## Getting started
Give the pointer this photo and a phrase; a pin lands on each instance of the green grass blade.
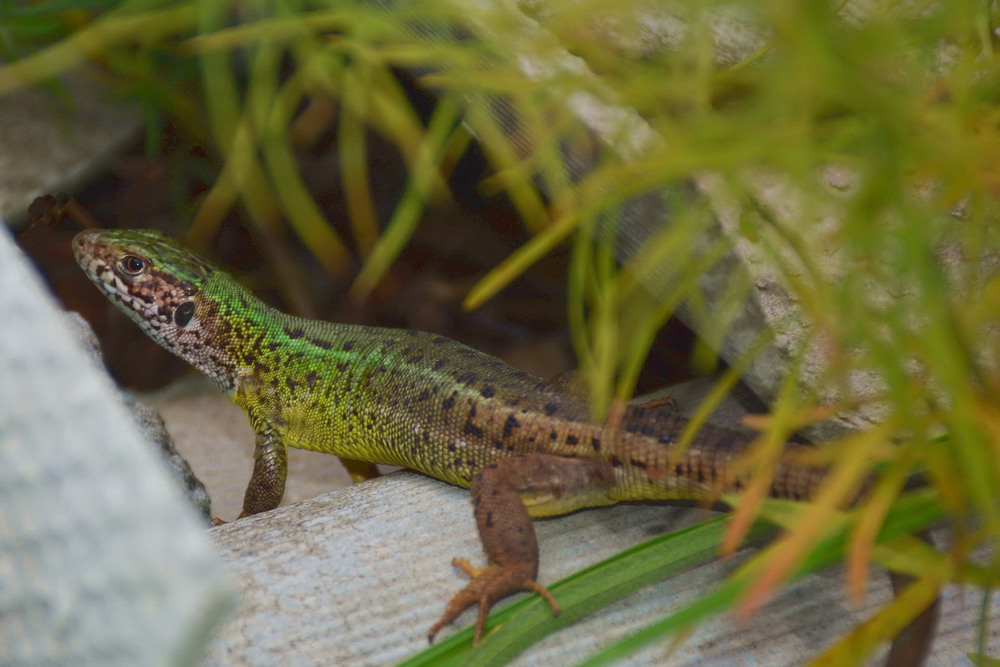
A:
(92, 41)
(424, 176)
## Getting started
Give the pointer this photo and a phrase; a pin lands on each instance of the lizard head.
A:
(148, 275)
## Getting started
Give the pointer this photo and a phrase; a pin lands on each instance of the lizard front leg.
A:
(270, 469)
(505, 496)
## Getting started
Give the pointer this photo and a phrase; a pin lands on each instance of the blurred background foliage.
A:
(902, 99)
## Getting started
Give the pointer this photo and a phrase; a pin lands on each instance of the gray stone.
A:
(103, 562)
(151, 424)
(53, 138)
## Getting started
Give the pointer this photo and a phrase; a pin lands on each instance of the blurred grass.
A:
(904, 100)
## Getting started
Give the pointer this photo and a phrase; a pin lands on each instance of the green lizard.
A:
(526, 447)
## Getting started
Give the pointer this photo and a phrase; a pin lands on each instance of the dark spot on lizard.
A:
(596, 444)
(641, 465)
(320, 343)
(472, 429)
(551, 408)
(448, 403)
(292, 384)
(466, 378)
(488, 392)
(499, 445)
(424, 395)
(510, 426)
(615, 461)
(297, 332)
(440, 340)
(343, 366)
(553, 435)
(348, 346)
(572, 440)
(439, 364)
(489, 519)
(311, 378)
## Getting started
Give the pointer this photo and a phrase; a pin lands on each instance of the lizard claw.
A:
(488, 585)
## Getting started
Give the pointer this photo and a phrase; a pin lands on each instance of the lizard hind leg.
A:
(505, 496)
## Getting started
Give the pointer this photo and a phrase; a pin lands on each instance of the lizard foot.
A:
(488, 585)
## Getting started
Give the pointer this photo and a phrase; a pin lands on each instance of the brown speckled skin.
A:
(526, 447)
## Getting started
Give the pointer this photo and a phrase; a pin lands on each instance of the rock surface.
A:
(51, 139)
(103, 561)
(151, 424)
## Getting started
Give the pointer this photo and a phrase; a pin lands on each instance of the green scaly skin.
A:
(413, 399)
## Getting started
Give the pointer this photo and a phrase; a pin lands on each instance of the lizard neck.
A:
(232, 334)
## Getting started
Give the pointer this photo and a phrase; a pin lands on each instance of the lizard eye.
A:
(132, 264)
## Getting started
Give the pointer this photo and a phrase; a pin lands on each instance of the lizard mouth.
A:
(85, 251)
(88, 250)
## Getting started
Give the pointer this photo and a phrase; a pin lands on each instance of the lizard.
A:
(524, 446)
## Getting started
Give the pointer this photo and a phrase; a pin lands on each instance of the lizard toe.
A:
(488, 585)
